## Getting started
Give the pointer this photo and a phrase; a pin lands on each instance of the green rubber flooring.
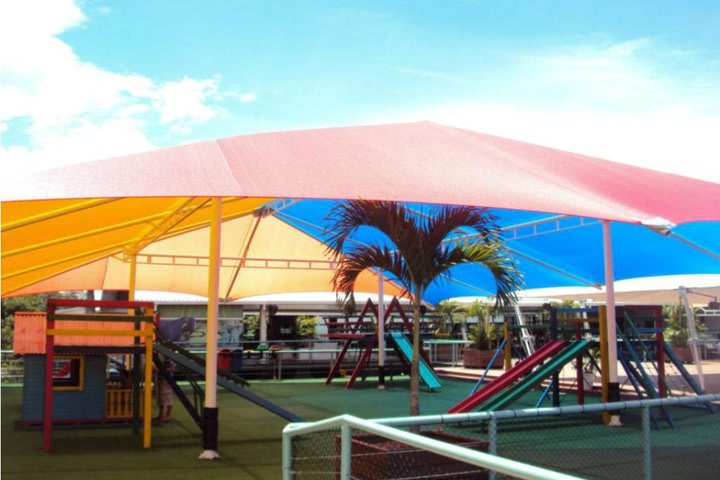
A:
(250, 437)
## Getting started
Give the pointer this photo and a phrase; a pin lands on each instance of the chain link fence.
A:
(11, 367)
(318, 456)
(661, 442)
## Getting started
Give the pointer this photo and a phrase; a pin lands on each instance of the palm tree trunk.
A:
(415, 366)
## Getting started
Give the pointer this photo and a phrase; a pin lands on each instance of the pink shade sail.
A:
(415, 162)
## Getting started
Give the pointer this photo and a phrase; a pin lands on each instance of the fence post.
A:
(492, 443)
(646, 445)
(345, 452)
(286, 456)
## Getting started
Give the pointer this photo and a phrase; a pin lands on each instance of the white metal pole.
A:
(264, 316)
(381, 329)
(613, 385)
(693, 338)
(345, 452)
(210, 413)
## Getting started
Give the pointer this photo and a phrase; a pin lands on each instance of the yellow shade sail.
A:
(88, 244)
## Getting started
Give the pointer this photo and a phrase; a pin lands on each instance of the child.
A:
(165, 394)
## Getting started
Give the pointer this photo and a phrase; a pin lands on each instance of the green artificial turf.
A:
(250, 437)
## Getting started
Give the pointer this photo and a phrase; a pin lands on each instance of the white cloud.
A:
(248, 97)
(82, 142)
(184, 100)
(56, 100)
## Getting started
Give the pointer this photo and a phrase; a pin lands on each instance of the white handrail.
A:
(466, 455)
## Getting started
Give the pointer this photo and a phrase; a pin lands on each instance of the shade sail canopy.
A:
(701, 290)
(260, 254)
(77, 227)
(416, 162)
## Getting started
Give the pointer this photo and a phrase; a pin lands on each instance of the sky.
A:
(635, 82)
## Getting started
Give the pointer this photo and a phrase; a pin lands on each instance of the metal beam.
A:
(75, 207)
(694, 245)
(234, 262)
(181, 210)
(246, 247)
(119, 226)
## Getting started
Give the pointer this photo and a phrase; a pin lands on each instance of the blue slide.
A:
(426, 372)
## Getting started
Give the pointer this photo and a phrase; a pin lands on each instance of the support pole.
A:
(381, 330)
(660, 357)
(613, 387)
(508, 344)
(48, 399)
(345, 452)
(555, 383)
(147, 407)
(133, 362)
(492, 444)
(264, 319)
(133, 278)
(210, 412)
(692, 337)
(580, 372)
(646, 444)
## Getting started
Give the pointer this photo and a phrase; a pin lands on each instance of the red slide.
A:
(509, 377)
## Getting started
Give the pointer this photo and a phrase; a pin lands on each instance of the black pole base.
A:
(210, 428)
(613, 392)
(381, 377)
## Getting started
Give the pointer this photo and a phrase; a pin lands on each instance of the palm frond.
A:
(360, 258)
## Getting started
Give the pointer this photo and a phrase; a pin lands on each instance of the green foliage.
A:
(676, 329)
(28, 303)
(485, 335)
(306, 326)
(422, 251)
(251, 323)
(449, 313)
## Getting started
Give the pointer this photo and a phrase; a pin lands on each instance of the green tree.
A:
(306, 326)
(422, 251)
(26, 303)
(676, 326)
(485, 334)
(251, 324)
(449, 312)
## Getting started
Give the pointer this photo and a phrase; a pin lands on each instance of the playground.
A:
(549, 376)
(88, 425)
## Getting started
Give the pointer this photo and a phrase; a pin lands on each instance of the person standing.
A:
(164, 393)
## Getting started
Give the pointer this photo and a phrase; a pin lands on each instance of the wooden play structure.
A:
(66, 352)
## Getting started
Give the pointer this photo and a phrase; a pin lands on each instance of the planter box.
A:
(481, 358)
(376, 457)
(684, 354)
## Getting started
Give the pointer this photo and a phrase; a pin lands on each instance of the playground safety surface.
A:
(250, 437)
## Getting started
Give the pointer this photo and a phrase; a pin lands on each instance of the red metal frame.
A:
(353, 334)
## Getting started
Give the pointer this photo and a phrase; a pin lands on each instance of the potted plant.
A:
(485, 338)
(677, 333)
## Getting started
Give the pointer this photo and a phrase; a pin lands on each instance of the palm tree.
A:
(449, 312)
(423, 251)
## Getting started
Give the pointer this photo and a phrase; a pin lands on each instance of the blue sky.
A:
(637, 82)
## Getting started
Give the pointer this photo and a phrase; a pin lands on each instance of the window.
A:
(68, 373)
